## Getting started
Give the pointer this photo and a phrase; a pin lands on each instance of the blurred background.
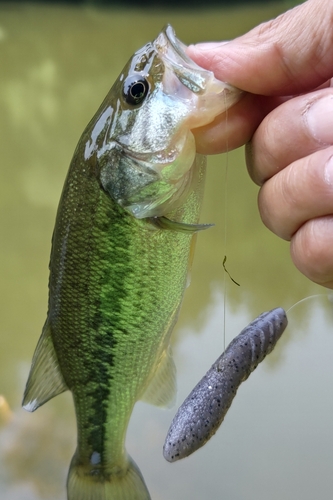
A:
(57, 62)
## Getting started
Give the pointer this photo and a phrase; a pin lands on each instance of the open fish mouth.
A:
(173, 54)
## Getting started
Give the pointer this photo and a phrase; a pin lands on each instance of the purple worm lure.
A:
(203, 411)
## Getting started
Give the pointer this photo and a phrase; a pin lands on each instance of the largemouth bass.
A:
(204, 409)
(121, 249)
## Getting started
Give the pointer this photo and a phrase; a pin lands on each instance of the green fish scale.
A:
(116, 285)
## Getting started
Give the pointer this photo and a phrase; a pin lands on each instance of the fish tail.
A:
(89, 482)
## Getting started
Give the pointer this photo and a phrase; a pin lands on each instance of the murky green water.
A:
(277, 439)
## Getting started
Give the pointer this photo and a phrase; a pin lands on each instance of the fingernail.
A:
(319, 117)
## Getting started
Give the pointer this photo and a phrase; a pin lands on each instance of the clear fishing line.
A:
(226, 164)
(329, 296)
(225, 231)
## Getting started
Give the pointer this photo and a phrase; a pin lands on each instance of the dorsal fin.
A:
(45, 379)
(162, 389)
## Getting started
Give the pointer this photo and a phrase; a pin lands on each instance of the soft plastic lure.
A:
(203, 411)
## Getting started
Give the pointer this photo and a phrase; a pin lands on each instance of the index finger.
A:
(287, 55)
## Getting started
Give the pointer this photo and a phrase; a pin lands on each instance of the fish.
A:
(122, 247)
(204, 409)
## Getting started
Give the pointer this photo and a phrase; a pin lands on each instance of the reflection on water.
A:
(35, 451)
(276, 441)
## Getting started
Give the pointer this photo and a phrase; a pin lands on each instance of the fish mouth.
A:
(173, 54)
(175, 50)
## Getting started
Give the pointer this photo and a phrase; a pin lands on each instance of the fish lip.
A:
(178, 46)
(173, 54)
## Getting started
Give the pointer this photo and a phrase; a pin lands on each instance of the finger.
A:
(234, 128)
(298, 193)
(297, 128)
(312, 250)
(288, 55)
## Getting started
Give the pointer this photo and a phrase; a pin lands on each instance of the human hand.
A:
(285, 65)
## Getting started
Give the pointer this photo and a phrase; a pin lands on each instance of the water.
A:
(277, 439)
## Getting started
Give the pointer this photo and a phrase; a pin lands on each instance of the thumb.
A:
(290, 54)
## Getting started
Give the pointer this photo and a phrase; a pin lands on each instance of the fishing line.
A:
(327, 295)
(225, 224)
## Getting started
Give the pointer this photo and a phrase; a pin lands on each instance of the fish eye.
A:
(135, 89)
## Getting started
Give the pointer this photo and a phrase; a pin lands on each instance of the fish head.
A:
(143, 137)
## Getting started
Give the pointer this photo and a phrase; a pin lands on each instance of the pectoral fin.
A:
(182, 227)
(45, 379)
(162, 389)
